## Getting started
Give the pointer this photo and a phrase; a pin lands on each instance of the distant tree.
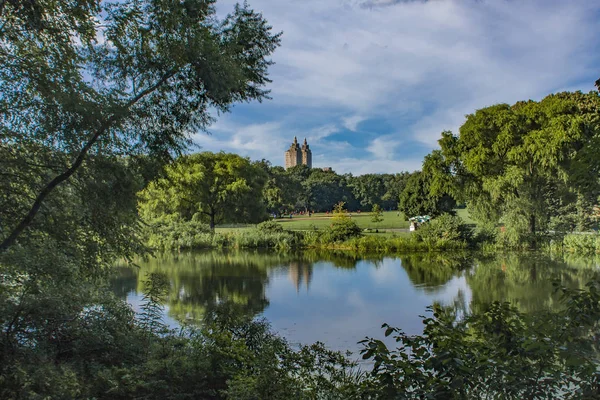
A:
(339, 211)
(280, 191)
(418, 198)
(369, 189)
(212, 187)
(323, 189)
(376, 214)
(299, 173)
(394, 185)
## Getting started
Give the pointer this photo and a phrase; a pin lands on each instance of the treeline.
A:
(217, 188)
(303, 188)
(524, 172)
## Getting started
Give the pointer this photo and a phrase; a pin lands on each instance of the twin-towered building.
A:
(297, 155)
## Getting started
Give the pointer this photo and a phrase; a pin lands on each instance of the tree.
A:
(394, 185)
(419, 198)
(211, 187)
(526, 163)
(369, 189)
(280, 191)
(376, 214)
(152, 78)
(322, 190)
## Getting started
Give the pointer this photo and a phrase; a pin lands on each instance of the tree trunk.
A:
(212, 221)
(102, 129)
(532, 224)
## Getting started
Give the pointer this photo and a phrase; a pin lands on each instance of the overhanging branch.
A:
(64, 176)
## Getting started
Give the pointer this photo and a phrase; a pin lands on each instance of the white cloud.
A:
(420, 66)
(263, 140)
(384, 147)
(351, 123)
(321, 132)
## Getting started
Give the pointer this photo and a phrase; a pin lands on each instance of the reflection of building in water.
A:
(299, 272)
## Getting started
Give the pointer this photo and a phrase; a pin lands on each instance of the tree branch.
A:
(26, 221)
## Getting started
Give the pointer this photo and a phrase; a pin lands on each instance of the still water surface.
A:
(339, 298)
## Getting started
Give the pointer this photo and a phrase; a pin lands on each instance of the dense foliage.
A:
(444, 229)
(300, 188)
(532, 166)
(498, 353)
(93, 80)
(91, 94)
(213, 188)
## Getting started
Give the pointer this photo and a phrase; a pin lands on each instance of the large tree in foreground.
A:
(112, 78)
(210, 187)
(89, 88)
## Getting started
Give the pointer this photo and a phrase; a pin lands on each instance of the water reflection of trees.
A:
(430, 270)
(339, 259)
(525, 280)
(125, 281)
(202, 282)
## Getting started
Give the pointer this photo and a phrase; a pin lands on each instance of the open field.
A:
(391, 220)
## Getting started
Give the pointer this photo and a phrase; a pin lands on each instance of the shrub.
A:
(486, 233)
(270, 226)
(178, 234)
(581, 243)
(542, 355)
(340, 230)
(256, 238)
(444, 229)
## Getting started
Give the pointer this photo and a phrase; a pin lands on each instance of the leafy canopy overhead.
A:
(113, 78)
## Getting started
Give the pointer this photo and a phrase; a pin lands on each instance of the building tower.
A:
(293, 156)
(306, 155)
(297, 155)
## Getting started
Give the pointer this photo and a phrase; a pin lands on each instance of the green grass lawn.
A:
(464, 214)
(391, 220)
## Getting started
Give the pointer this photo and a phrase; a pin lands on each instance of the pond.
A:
(339, 298)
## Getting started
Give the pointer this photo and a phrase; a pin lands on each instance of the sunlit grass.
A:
(391, 220)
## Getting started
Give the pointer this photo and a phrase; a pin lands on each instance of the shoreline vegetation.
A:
(444, 233)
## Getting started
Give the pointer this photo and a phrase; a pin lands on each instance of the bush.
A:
(581, 243)
(486, 233)
(499, 354)
(444, 229)
(270, 226)
(256, 239)
(178, 234)
(378, 244)
(340, 230)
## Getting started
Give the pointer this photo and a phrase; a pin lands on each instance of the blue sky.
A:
(372, 83)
